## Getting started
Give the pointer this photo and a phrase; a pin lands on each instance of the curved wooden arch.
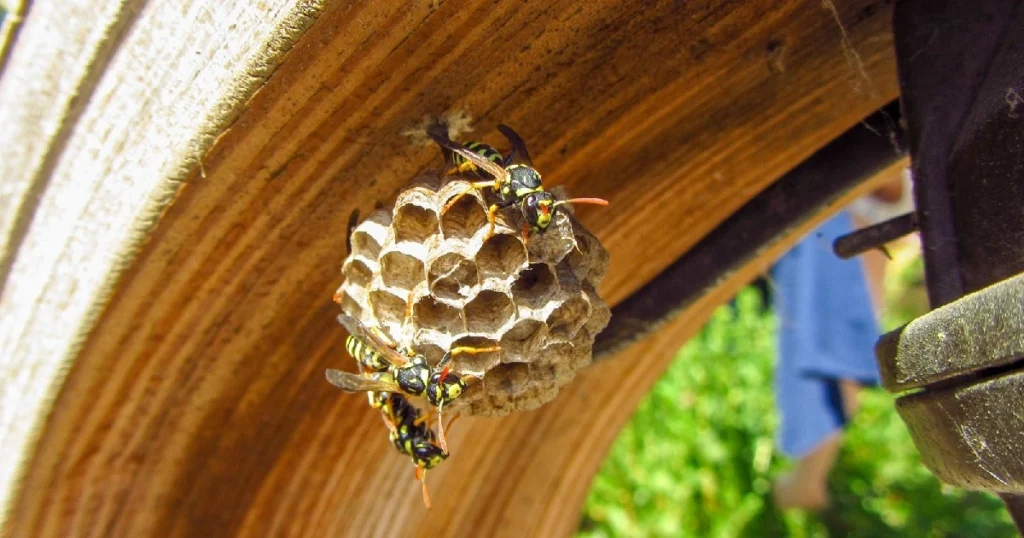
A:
(195, 402)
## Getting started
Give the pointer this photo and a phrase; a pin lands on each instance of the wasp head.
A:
(444, 390)
(538, 208)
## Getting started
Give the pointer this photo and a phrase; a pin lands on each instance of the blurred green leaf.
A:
(698, 457)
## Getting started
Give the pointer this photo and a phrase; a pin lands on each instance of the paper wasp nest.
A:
(538, 303)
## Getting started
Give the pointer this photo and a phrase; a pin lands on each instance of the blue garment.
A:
(827, 332)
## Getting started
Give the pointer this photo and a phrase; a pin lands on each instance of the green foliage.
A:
(698, 458)
(905, 294)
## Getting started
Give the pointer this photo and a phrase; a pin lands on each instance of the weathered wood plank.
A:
(105, 107)
(197, 404)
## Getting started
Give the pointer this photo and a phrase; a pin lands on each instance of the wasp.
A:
(365, 355)
(407, 373)
(515, 184)
(410, 436)
(374, 351)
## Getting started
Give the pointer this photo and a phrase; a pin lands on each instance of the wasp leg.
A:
(444, 364)
(421, 475)
(492, 216)
(384, 415)
(469, 350)
(391, 426)
(408, 308)
(476, 185)
(463, 167)
(440, 427)
(408, 350)
(426, 417)
(452, 421)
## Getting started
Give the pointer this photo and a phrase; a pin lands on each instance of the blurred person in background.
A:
(827, 310)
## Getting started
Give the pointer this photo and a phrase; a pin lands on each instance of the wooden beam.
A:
(189, 306)
(824, 177)
(103, 120)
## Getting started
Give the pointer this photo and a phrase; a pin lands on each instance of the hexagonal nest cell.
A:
(429, 279)
(452, 276)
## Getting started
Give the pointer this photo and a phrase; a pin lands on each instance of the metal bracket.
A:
(963, 362)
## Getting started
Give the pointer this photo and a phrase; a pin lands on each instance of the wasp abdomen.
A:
(483, 150)
(365, 355)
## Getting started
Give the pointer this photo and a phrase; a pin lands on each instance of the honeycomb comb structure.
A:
(536, 300)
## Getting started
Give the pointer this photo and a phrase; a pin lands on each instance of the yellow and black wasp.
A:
(407, 373)
(374, 352)
(515, 184)
(411, 436)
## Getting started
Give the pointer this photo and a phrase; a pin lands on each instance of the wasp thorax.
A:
(413, 378)
(523, 180)
(535, 299)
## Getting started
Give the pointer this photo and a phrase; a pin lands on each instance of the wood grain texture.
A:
(197, 404)
(105, 107)
(314, 462)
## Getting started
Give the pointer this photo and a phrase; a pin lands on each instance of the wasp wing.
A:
(360, 331)
(517, 145)
(491, 168)
(349, 382)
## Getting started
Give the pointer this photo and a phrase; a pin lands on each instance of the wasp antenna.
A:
(592, 201)
(425, 418)
(408, 308)
(440, 428)
(421, 475)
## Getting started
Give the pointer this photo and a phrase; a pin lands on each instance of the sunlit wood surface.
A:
(174, 209)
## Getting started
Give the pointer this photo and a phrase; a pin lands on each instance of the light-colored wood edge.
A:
(9, 27)
(30, 166)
